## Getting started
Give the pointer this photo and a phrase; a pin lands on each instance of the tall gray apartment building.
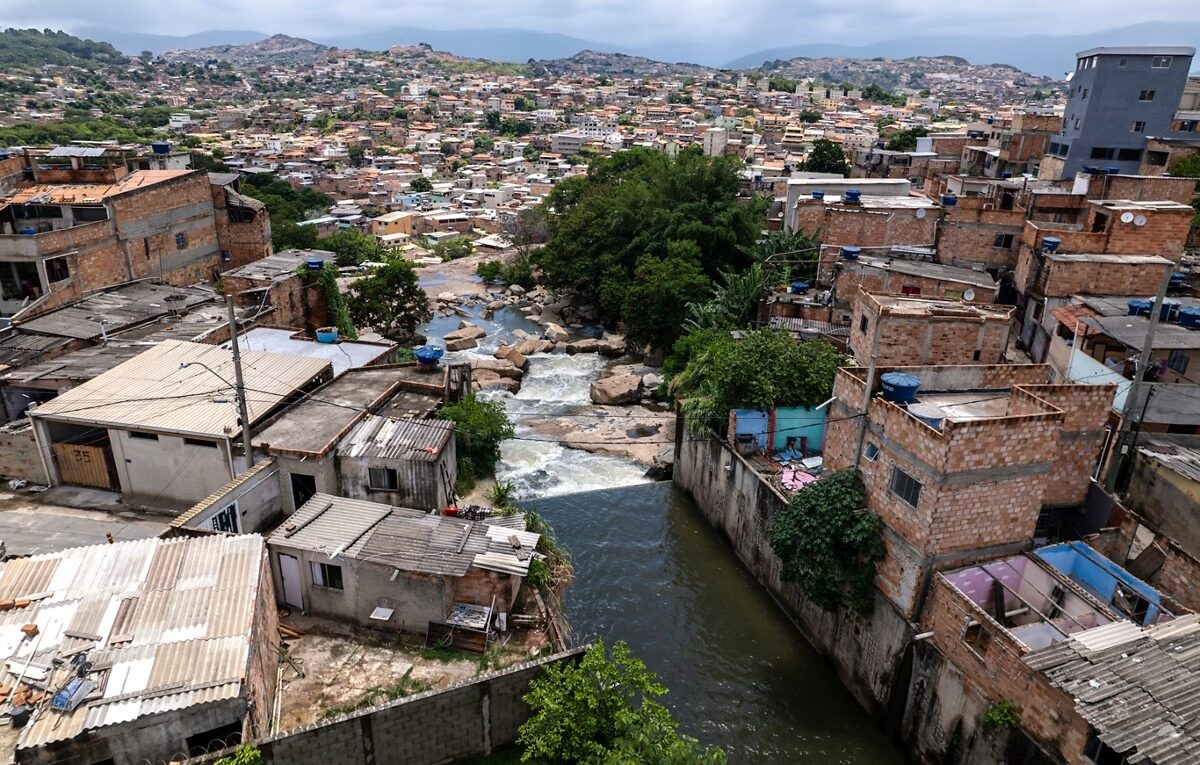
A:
(1119, 97)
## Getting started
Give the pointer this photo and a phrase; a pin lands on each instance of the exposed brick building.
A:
(276, 292)
(906, 271)
(243, 223)
(916, 330)
(974, 480)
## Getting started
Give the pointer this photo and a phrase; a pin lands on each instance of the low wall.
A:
(19, 457)
(470, 719)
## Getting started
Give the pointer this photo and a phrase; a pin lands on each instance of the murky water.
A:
(652, 572)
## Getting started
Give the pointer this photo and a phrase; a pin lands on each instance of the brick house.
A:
(995, 446)
(243, 223)
(395, 568)
(907, 271)
(278, 294)
(916, 330)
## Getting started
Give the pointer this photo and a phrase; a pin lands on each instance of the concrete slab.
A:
(31, 526)
(344, 355)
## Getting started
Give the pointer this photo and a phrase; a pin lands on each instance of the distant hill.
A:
(32, 48)
(1041, 54)
(597, 63)
(940, 74)
(133, 43)
(513, 45)
(277, 49)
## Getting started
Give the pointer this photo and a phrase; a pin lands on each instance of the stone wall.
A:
(467, 720)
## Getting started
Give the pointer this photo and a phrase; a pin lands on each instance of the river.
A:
(649, 570)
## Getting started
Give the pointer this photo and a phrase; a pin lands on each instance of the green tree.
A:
(829, 543)
(489, 270)
(479, 427)
(390, 301)
(453, 249)
(484, 143)
(353, 246)
(289, 235)
(826, 157)
(656, 302)
(356, 154)
(531, 152)
(906, 140)
(603, 710)
(421, 184)
(809, 116)
(1189, 167)
(630, 206)
(767, 368)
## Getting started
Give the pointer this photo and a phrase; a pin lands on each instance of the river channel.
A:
(649, 570)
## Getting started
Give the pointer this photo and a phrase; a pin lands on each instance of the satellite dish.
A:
(1139, 220)
(920, 213)
(969, 294)
(1127, 217)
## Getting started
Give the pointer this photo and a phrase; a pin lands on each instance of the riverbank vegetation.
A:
(479, 427)
(603, 709)
(829, 543)
(336, 312)
(390, 301)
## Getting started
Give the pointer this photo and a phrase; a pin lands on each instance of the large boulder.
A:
(614, 391)
(532, 346)
(461, 344)
(487, 380)
(516, 289)
(468, 332)
(590, 345)
(556, 333)
(448, 297)
(498, 367)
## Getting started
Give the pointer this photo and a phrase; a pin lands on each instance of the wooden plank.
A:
(82, 465)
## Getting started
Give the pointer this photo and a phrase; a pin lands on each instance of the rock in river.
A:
(622, 389)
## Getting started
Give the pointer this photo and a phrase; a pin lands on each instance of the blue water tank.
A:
(900, 387)
(818, 195)
(949, 200)
(327, 335)
(1167, 310)
(1050, 243)
(429, 354)
(160, 147)
(799, 288)
(1189, 317)
(852, 196)
(1177, 278)
(1090, 170)
(314, 264)
(28, 230)
(1112, 170)
(1139, 307)
(851, 253)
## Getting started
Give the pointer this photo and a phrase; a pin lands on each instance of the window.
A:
(1138, 127)
(1123, 62)
(143, 436)
(1160, 62)
(383, 479)
(905, 487)
(1157, 158)
(1102, 152)
(56, 269)
(326, 575)
(181, 240)
(1178, 361)
(1188, 126)
(1085, 94)
(1004, 241)
(975, 356)
(871, 452)
(200, 442)
(1146, 95)
(977, 637)
(862, 324)
(909, 289)
(226, 256)
(953, 294)
(1102, 754)
(1130, 155)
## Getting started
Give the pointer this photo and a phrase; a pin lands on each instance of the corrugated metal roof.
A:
(153, 392)
(170, 618)
(410, 540)
(77, 151)
(111, 311)
(397, 439)
(1139, 688)
(1180, 454)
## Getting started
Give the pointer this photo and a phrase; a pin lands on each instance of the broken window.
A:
(383, 479)
(872, 452)
(326, 575)
(978, 638)
(56, 269)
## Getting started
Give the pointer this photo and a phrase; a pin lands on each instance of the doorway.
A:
(303, 489)
(289, 574)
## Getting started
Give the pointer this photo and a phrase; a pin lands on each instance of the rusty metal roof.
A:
(152, 391)
(397, 439)
(169, 619)
(1139, 688)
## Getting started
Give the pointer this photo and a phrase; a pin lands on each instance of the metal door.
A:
(289, 573)
(83, 465)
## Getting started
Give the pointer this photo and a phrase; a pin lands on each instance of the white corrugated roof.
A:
(171, 618)
(152, 391)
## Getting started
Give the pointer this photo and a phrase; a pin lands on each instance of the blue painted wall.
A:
(1099, 574)
(800, 421)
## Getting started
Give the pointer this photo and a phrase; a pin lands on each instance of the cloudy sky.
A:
(724, 25)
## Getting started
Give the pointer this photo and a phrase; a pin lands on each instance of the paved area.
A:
(30, 526)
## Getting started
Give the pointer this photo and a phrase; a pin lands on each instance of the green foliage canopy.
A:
(829, 543)
(826, 157)
(390, 300)
(479, 427)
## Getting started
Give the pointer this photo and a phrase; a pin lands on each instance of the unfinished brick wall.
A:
(479, 586)
(850, 279)
(149, 221)
(243, 235)
(906, 339)
(1079, 440)
(19, 455)
(968, 237)
(999, 672)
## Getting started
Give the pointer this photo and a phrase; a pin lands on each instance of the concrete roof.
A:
(153, 392)
(342, 355)
(281, 264)
(1138, 50)
(171, 618)
(93, 193)
(1130, 331)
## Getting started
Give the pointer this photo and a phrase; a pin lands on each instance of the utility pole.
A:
(1129, 411)
(243, 410)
